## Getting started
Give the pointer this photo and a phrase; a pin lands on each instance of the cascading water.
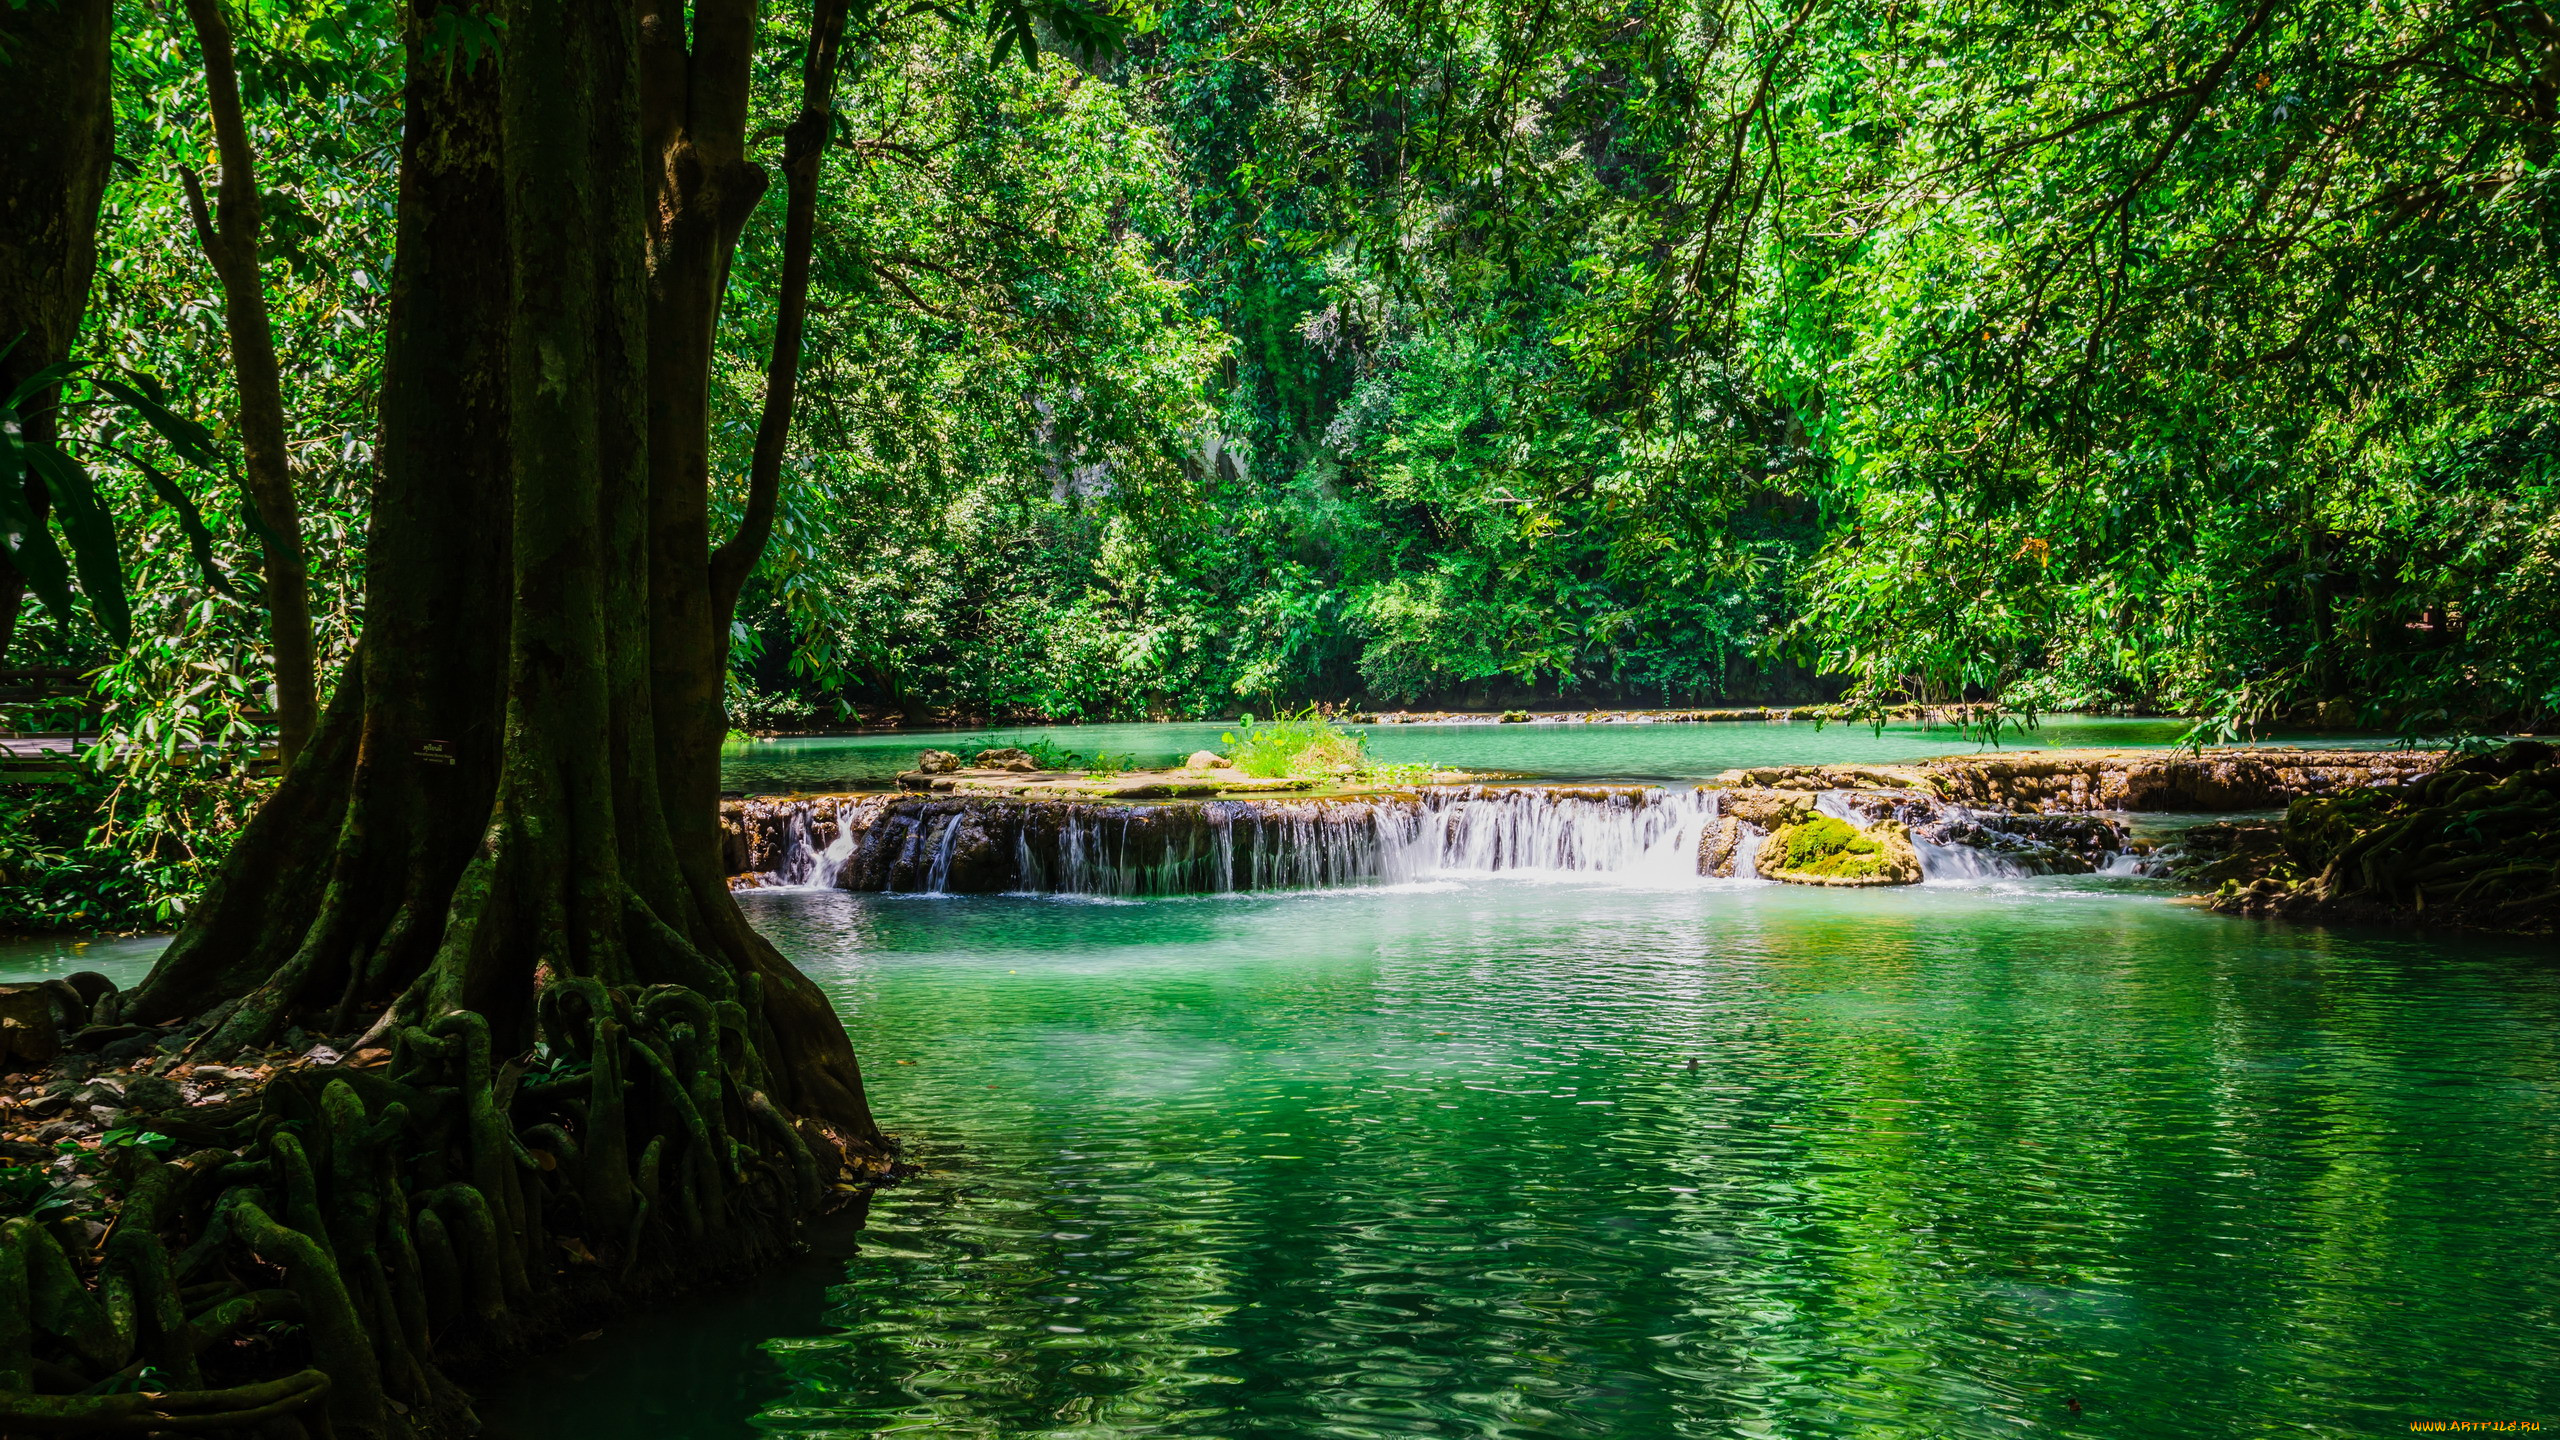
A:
(1958, 862)
(1238, 845)
(952, 845)
(818, 838)
(1957, 844)
(1652, 833)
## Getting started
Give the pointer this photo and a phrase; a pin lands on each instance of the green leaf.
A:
(188, 437)
(28, 542)
(190, 520)
(40, 382)
(92, 533)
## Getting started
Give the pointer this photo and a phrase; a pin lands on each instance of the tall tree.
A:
(56, 137)
(488, 805)
(229, 231)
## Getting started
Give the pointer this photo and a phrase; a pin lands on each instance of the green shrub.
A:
(90, 854)
(1048, 754)
(1304, 746)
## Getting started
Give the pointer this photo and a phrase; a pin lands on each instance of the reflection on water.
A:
(1513, 1159)
(1587, 752)
(46, 956)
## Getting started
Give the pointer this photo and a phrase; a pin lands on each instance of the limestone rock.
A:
(1720, 845)
(2216, 780)
(937, 762)
(1005, 758)
(1207, 760)
(32, 1021)
(1768, 808)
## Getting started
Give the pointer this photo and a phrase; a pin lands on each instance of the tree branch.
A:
(804, 148)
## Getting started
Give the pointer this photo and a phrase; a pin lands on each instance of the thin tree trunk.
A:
(56, 135)
(694, 91)
(804, 148)
(230, 239)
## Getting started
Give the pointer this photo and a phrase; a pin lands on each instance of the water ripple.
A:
(1512, 1161)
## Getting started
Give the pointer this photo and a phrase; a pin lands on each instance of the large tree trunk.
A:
(488, 842)
(56, 135)
(487, 807)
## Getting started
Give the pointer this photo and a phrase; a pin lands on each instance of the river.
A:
(1604, 751)
(1585, 1155)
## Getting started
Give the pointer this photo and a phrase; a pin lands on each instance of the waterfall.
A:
(1957, 861)
(817, 838)
(1225, 845)
(1746, 852)
(979, 845)
(1651, 833)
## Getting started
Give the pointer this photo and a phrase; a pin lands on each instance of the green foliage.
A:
(31, 464)
(1048, 754)
(136, 1138)
(103, 853)
(2182, 358)
(49, 880)
(1301, 746)
(2169, 376)
(30, 1190)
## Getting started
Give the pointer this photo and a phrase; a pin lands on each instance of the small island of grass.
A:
(1303, 753)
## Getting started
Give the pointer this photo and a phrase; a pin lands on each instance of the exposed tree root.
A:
(2477, 845)
(348, 1232)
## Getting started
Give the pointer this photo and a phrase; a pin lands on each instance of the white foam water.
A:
(1649, 835)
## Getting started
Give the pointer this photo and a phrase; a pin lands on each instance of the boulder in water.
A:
(1770, 809)
(1828, 851)
(1006, 758)
(1720, 845)
(937, 762)
(1207, 760)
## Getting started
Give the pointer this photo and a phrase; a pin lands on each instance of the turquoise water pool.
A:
(1531, 1157)
(1534, 1154)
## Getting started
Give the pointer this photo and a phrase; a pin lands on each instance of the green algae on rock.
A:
(1823, 850)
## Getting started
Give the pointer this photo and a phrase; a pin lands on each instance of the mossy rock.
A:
(1823, 850)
